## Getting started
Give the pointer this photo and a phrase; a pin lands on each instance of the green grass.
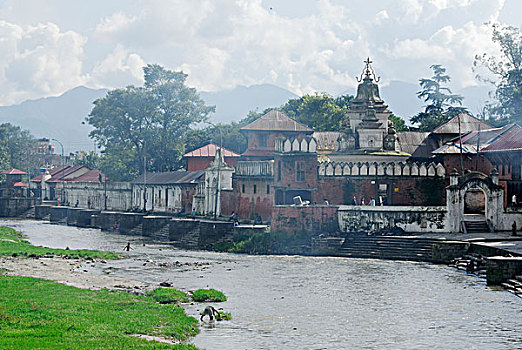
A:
(225, 316)
(40, 314)
(168, 295)
(12, 243)
(201, 295)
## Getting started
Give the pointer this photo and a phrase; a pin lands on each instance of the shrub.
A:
(168, 295)
(201, 295)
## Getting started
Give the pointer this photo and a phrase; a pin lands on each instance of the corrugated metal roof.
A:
(14, 172)
(276, 121)
(409, 141)
(171, 177)
(210, 151)
(469, 141)
(511, 140)
(467, 124)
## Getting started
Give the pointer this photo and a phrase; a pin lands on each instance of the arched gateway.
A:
(464, 192)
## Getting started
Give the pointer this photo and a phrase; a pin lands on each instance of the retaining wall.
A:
(355, 218)
(313, 218)
(11, 207)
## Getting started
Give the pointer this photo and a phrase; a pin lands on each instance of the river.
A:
(294, 302)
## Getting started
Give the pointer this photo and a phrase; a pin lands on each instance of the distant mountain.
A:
(61, 117)
(57, 117)
(234, 104)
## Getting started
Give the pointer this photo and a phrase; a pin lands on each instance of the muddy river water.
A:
(293, 302)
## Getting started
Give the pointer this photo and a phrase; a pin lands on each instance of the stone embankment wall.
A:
(92, 195)
(313, 218)
(355, 218)
(11, 207)
(188, 233)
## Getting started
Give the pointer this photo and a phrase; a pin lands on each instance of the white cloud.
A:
(39, 60)
(117, 21)
(118, 69)
(224, 43)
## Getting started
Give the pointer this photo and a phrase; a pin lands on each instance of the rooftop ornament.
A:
(368, 73)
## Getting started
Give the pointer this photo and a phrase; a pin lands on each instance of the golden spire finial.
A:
(368, 72)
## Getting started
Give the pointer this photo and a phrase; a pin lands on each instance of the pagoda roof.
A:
(277, 121)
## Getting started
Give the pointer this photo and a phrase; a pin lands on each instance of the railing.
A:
(381, 169)
(255, 168)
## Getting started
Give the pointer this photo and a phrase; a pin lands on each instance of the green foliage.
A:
(146, 125)
(13, 244)
(268, 243)
(507, 72)
(40, 314)
(320, 112)
(440, 101)
(224, 316)
(16, 149)
(90, 159)
(168, 295)
(228, 133)
(201, 295)
(399, 123)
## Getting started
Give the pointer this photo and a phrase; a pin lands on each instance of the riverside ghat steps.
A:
(200, 233)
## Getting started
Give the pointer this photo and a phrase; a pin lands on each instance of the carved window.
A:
(300, 173)
(267, 189)
(255, 188)
(243, 188)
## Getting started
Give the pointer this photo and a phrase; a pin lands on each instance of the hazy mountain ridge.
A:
(61, 116)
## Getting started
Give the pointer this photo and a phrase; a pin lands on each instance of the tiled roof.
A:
(172, 177)
(210, 151)
(14, 172)
(19, 184)
(277, 121)
(511, 140)
(90, 176)
(467, 124)
(409, 141)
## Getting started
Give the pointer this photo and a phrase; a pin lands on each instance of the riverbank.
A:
(283, 302)
(49, 301)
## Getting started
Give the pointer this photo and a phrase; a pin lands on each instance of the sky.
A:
(50, 46)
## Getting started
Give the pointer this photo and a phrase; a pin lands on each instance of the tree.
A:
(17, 148)
(320, 112)
(399, 123)
(507, 69)
(440, 100)
(232, 138)
(146, 126)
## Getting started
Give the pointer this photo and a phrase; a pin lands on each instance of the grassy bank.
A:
(12, 243)
(39, 314)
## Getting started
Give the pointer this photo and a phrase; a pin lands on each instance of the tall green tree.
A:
(440, 101)
(507, 74)
(320, 112)
(227, 133)
(140, 127)
(17, 148)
